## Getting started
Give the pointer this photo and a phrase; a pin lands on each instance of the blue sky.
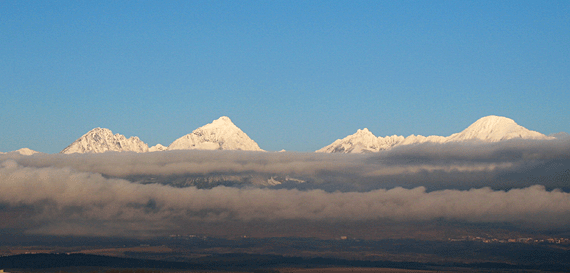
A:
(293, 75)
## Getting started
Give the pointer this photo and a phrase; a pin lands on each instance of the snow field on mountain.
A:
(486, 129)
(223, 134)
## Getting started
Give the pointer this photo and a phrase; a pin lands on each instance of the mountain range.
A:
(223, 134)
(486, 129)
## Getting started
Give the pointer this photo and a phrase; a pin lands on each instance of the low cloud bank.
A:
(64, 200)
(503, 165)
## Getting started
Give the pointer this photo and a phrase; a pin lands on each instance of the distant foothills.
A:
(223, 134)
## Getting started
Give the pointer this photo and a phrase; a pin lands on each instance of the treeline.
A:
(157, 271)
(42, 261)
(246, 262)
(131, 271)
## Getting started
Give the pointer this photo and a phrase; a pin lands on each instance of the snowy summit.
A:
(157, 148)
(100, 140)
(221, 134)
(23, 151)
(486, 129)
(26, 151)
(495, 128)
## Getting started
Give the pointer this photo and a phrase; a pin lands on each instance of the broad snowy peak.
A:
(487, 129)
(493, 129)
(23, 151)
(100, 140)
(221, 134)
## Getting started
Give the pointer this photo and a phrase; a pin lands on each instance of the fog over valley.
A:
(523, 184)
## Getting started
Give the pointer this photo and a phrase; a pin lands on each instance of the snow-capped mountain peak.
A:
(222, 120)
(495, 128)
(157, 148)
(100, 140)
(488, 129)
(26, 151)
(361, 141)
(221, 134)
(23, 151)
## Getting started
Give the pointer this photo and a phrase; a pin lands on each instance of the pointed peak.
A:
(221, 134)
(99, 130)
(222, 122)
(364, 131)
(223, 119)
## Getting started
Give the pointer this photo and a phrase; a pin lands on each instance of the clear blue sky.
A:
(293, 75)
